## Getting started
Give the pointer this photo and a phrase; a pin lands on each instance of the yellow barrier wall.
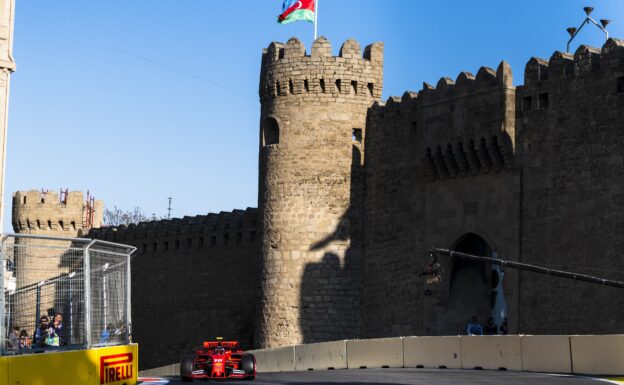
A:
(4, 370)
(116, 365)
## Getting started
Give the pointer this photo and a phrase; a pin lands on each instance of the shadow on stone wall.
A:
(331, 291)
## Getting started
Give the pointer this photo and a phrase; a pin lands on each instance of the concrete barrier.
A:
(550, 354)
(321, 356)
(375, 353)
(597, 354)
(491, 352)
(169, 370)
(275, 360)
(432, 352)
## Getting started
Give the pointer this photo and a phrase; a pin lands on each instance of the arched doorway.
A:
(470, 284)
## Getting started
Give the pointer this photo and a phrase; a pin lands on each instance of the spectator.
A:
(24, 342)
(490, 327)
(474, 328)
(14, 339)
(42, 333)
(105, 335)
(503, 327)
(59, 330)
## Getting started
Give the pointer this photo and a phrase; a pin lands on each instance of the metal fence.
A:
(63, 293)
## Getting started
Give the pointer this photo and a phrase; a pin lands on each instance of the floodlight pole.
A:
(587, 20)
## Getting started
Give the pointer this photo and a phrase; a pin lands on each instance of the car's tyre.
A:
(187, 365)
(248, 365)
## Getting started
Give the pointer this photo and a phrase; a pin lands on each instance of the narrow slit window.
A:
(291, 87)
(213, 241)
(226, 239)
(42, 200)
(24, 200)
(339, 86)
(306, 85)
(321, 83)
(278, 88)
(620, 84)
(354, 87)
(239, 238)
(356, 135)
(166, 246)
(526, 103)
(543, 101)
(62, 225)
(371, 89)
(200, 243)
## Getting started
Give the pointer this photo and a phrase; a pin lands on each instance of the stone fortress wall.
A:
(193, 279)
(353, 192)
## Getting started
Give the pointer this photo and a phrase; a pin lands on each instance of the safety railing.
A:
(63, 293)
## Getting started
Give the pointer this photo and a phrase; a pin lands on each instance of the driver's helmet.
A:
(220, 350)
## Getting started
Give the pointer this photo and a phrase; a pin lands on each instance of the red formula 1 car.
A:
(218, 360)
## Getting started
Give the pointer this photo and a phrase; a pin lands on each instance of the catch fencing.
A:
(63, 294)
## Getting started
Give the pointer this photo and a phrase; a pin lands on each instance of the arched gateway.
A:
(468, 289)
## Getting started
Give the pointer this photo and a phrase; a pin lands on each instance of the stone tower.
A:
(47, 214)
(312, 129)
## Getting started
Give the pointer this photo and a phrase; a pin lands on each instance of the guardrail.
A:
(595, 355)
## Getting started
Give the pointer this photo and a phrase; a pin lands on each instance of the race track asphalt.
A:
(412, 377)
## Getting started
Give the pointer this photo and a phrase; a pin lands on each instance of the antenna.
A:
(169, 209)
(574, 31)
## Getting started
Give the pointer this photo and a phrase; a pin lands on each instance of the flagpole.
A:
(315, 18)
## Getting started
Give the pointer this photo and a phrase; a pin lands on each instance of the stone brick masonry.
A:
(353, 192)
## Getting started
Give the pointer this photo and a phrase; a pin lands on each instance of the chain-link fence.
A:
(63, 293)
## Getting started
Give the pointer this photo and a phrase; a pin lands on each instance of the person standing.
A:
(474, 328)
(58, 329)
(490, 327)
(14, 339)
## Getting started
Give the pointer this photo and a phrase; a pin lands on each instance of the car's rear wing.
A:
(225, 344)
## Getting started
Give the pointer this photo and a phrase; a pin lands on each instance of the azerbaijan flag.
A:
(294, 10)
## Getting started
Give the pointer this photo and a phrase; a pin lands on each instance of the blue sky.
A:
(141, 100)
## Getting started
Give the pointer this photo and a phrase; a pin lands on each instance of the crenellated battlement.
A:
(464, 126)
(564, 75)
(222, 229)
(288, 71)
(41, 212)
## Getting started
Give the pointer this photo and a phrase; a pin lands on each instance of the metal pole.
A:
(527, 267)
(129, 300)
(3, 326)
(38, 304)
(87, 290)
(70, 298)
(316, 3)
